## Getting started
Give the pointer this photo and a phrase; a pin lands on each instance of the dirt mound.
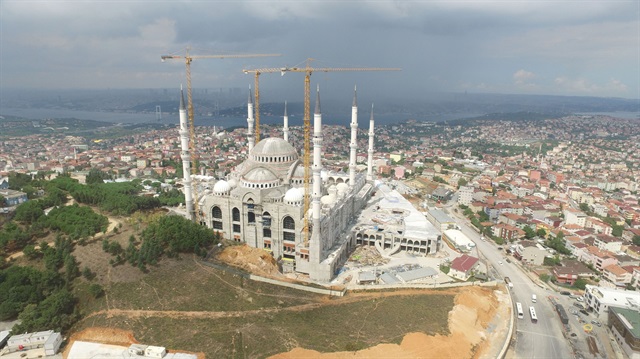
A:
(475, 308)
(253, 260)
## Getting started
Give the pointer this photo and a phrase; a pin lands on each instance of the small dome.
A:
(327, 199)
(221, 186)
(342, 187)
(233, 183)
(293, 195)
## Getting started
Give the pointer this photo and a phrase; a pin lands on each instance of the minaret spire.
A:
(354, 139)
(285, 129)
(370, 157)
(185, 156)
(250, 121)
(316, 239)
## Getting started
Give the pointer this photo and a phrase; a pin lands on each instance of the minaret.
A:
(354, 139)
(250, 120)
(317, 168)
(370, 158)
(285, 129)
(186, 158)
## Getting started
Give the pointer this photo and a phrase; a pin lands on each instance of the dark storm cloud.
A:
(564, 47)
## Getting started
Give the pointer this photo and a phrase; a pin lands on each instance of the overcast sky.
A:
(571, 47)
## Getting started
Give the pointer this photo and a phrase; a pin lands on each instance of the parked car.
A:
(584, 312)
(564, 292)
(595, 322)
(580, 299)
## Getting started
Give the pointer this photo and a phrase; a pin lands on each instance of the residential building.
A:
(463, 266)
(530, 252)
(616, 275)
(570, 270)
(608, 243)
(625, 329)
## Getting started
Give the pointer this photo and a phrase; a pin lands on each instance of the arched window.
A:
(216, 212)
(251, 217)
(235, 214)
(289, 223)
(266, 219)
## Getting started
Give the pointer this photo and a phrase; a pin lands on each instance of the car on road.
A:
(580, 299)
(564, 292)
(584, 312)
(500, 262)
(595, 322)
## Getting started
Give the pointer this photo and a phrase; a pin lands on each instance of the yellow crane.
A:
(192, 137)
(308, 70)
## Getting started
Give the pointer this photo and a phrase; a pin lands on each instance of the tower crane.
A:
(194, 213)
(307, 70)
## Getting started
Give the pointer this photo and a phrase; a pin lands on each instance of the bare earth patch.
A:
(250, 259)
(475, 308)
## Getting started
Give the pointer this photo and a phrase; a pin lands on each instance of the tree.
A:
(584, 207)
(96, 290)
(462, 182)
(529, 232)
(96, 176)
(541, 233)
(2, 199)
(544, 277)
(580, 283)
(636, 240)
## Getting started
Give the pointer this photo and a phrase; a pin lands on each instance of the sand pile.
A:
(253, 260)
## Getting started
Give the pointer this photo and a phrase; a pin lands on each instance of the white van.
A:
(533, 298)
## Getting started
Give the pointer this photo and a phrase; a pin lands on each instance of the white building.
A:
(49, 340)
(458, 239)
(465, 195)
(599, 299)
(572, 216)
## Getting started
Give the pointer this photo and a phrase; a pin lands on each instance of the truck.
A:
(562, 314)
(508, 281)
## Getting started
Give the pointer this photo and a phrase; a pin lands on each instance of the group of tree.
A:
(41, 299)
(167, 235)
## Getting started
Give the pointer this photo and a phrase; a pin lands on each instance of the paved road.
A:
(543, 339)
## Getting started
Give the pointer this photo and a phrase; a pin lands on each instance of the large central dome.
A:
(273, 150)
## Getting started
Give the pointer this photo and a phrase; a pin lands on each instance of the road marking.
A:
(528, 332)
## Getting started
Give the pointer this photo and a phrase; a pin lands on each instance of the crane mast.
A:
(308, 70)
(194, 213)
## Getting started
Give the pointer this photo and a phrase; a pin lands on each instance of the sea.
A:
(226, 122)
(172, 118)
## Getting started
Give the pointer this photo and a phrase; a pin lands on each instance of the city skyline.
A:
(572, 48)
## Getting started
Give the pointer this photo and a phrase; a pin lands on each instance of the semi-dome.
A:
(293, 196)
(260, 178)
(221, 186)
(273, 150)
(260, 174)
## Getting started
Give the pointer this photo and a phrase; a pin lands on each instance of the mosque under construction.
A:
(261, 203)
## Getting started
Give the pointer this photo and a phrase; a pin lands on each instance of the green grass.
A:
(330, 328)
(355, 322)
